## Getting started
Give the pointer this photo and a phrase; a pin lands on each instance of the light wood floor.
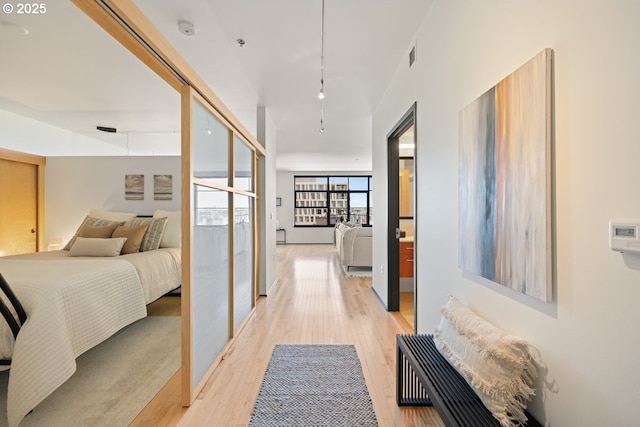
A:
(165, 306)
(312, 303)
(406, 307)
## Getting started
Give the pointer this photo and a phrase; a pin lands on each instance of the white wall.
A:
(267, 202)
(74, 185)
(284, 213)
(588, 336)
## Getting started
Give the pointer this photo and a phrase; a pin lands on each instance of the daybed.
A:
(354, 245)
(74, 303)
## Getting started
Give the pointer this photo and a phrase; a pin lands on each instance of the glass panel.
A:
(310, 183)
(210, 146)
(311, 199)
(358, 208)
(339, 202)
(338, 215)
(310, 216)
(210, 277)
(243, 260)
(243, 159)
(359, 183)
(338, 183)
(370, 200)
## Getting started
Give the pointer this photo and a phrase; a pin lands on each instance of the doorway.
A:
(22, 212)
(401, 218)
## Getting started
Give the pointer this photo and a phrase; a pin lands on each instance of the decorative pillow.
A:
(85, 246)
(172, 236)
(94, 222)
(134, 237)
(111, 216)
(103, 232)
(498, 366)
(153, 235)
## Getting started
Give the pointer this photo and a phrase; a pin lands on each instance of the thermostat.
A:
(624, 235)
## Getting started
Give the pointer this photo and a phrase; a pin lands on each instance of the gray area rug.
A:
(114, 381)
(313, 385)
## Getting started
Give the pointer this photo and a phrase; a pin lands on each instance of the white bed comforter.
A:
(159, 270)
(72, 306)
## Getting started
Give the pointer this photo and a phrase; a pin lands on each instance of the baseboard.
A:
(379, 299)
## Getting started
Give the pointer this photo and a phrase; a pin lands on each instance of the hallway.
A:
(312, 303)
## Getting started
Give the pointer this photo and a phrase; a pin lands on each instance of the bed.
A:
(73, 303)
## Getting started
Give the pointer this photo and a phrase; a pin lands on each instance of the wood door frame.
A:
(40, 162)
(393, 214)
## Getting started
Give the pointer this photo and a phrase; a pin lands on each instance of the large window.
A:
(323, 201)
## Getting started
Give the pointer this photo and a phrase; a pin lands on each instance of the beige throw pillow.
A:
(153, 235)
(98, 232)
(500, 367)
(111, 216)
(94, 222)
(172, 236)
(85, 246)
(134, 237)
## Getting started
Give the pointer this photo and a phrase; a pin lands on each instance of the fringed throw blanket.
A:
(498, 366)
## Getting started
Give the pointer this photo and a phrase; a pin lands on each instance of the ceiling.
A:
(69, 73)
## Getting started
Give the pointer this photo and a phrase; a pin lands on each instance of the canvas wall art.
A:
(133, 187)
(162, 187)
(505, 181)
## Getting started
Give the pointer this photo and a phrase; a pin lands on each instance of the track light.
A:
(321, 93)
(106, 129)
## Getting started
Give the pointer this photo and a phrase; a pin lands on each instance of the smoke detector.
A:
(186, 28)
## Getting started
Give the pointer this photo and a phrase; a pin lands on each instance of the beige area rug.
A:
(113, 381)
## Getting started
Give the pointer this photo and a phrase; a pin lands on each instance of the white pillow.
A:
(111, 216)
(87, 246)
(500, 367)
(172, 236)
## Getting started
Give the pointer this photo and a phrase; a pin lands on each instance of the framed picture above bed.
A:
(133, 187)
(162, 187)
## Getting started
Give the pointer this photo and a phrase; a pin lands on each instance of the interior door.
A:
(400, 216)
(19, 207)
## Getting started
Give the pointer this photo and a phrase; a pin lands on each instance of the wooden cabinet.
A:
(406, 259)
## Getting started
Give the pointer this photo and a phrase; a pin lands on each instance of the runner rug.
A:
(313, 385)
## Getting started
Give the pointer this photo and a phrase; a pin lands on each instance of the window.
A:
(332, 199)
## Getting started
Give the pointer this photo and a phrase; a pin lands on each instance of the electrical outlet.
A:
(381, 268)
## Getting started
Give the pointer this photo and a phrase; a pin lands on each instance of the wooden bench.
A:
(425, 377)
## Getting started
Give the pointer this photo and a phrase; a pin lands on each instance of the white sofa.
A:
(354, 245)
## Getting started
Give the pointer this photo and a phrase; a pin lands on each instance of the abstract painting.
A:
(504, 190)
(134, 187)
(162, 187)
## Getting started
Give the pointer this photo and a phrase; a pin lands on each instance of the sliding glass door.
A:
(219, 189)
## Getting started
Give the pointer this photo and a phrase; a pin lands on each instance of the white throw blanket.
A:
(71, 307)
(498, 366)
(348, 244)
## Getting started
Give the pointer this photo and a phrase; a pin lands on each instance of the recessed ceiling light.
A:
(14, 28)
